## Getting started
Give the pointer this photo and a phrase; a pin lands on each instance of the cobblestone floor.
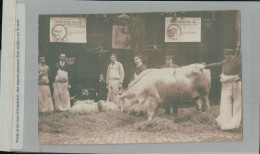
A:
(122, 137)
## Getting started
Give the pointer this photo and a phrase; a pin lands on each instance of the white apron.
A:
(45, 103)
(113, 90)
(113, 83)
(61, 92)
(231, 102)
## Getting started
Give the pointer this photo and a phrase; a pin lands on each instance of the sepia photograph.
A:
(152, 77)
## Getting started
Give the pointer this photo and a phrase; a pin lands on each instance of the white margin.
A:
(19, 69)
(6, 88)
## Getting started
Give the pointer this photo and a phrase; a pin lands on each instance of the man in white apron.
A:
(61, 84)
(231, 97)
(115, 77)
(45, 103)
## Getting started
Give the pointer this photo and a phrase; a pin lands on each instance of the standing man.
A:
(169, 63)
(61, 84)
(139, 67)
(115, 77)
(231, 97)
(45, 103)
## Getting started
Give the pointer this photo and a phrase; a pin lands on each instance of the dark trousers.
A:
(168, 108)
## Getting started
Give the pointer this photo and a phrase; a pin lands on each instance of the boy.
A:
(101, 90)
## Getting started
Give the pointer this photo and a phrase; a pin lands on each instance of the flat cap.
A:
(113, 54)
(168, 57)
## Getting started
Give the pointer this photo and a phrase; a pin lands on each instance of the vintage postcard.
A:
(125, 78)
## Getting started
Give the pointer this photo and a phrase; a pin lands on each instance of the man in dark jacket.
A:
(140, 67)
(61, 78)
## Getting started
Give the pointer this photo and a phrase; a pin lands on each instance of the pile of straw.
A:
(188, 121)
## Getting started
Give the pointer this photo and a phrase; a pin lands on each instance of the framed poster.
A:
(69, 30)
(182, 29)
(120, 37)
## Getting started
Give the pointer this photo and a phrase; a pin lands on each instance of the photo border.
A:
(250, 24)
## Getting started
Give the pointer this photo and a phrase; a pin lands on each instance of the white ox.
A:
(158, 87)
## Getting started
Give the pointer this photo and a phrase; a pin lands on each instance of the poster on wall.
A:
(182, 30)
(68, 30)
(120, 37)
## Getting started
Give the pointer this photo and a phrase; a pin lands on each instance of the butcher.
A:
(115, 77)
(61, 84)
(44, 93)
(230, 116)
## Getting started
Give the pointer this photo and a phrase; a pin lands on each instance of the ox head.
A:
(125, 104)
(129, 103)
(119, 100)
